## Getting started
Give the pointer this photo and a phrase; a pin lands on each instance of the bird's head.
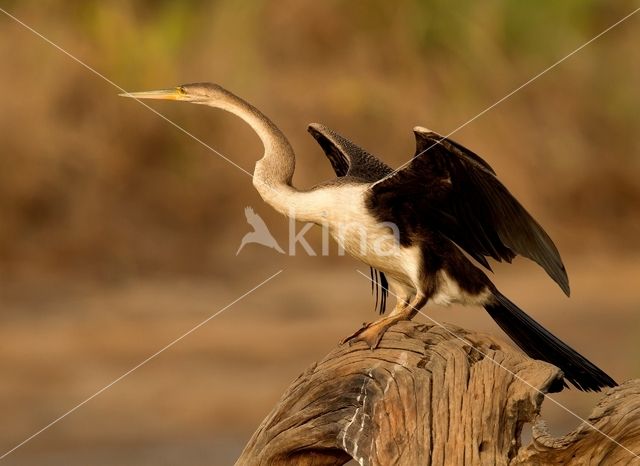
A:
(195, 93)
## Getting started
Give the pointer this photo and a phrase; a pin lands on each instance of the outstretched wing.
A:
(448, 188)
(347, 159)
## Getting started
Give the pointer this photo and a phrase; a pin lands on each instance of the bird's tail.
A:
(539, 343)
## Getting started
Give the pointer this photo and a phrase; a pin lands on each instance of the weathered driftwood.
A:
(434, 396)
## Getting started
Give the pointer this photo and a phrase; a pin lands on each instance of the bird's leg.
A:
(373, 332)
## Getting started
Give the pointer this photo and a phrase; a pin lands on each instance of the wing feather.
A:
(450, 189)
(348, 159)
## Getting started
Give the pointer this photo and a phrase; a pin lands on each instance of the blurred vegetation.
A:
(96, 185)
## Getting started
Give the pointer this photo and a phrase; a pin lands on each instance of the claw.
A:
(371, 334)
(351, 339)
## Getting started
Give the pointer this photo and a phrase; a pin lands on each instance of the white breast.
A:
(342, 209)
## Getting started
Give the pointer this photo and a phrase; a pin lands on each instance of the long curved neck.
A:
(274, 171)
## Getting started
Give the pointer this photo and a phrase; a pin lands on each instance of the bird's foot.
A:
(371, 333)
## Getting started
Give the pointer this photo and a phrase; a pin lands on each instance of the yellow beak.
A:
(177, 93)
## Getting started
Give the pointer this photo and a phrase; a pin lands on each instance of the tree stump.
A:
(435, 396)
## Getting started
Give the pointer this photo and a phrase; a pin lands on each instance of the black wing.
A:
(448, 188)
(347, 159)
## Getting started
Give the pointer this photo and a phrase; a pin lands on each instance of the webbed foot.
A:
(370, 333)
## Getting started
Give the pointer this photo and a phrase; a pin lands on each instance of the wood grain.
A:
(434, 396)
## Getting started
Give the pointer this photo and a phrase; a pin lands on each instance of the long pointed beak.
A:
(177, 93)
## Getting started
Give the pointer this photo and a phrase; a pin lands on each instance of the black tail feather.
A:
(379, 288)
(384, 292)
(539, 343)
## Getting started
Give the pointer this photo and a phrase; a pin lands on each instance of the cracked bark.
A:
(430, 396)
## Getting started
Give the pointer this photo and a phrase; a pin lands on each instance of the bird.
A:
(426, 229)
(260, 234)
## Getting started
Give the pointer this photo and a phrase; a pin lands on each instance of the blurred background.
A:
(118, 232)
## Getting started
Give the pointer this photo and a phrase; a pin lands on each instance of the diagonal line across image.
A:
(142, 363)
(513, 92)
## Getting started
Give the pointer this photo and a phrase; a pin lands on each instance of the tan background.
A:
(118, 232)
